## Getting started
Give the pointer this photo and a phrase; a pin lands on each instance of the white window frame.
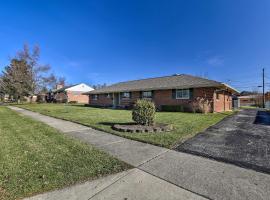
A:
(95, 97)
(182, 97)
(147, 97)
(125, 96)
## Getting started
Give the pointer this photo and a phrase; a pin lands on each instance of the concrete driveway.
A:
(242, 139)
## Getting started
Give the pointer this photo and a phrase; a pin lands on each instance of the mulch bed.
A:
(136, 128)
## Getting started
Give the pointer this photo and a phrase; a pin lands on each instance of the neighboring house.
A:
(72, 93)
(255, 99)
(251, 100)
(169, 90)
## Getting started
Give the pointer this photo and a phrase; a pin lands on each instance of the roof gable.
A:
(82, 87)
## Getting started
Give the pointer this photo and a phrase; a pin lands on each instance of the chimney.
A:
(59, 86)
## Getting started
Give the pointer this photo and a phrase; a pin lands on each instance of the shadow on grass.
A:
(114, 123)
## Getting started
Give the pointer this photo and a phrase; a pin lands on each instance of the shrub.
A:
(187, 107)
(40, 99)
(144, 112)
(172, 108)
(201, 105)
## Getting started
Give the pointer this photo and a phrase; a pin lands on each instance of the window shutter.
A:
(153, 94)
(191, 93)
(130, 95)
(140, 94)
(174, 94)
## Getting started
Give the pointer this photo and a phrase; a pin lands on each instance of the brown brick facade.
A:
(77, 97)
(165, 97)
(102, 100)
(222, 101)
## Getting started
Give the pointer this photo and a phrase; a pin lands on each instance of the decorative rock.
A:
(136, 128)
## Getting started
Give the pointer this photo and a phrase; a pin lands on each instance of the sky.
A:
(108, 41)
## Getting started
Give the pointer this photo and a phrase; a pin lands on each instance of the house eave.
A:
(153, 88)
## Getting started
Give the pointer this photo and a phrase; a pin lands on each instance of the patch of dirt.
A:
(136, 128)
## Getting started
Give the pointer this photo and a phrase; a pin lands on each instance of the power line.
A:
(263, 90)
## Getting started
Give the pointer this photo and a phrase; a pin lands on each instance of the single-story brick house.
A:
(74, 93)
(178, 89)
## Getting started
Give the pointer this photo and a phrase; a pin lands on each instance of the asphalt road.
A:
(242, 139)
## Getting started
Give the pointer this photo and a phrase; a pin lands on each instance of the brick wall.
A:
(102, 100)
(129, 102)
(222, 101)
(60, 97)
(78, 97)
(164, 97)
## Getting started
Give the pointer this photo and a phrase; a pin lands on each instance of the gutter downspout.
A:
(224, 101)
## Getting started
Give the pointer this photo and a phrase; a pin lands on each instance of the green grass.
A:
(249, 107)
(35, 158)
(186, 124)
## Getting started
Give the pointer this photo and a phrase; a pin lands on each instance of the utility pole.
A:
(263, 91)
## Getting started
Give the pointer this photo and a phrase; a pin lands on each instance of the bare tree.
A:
(61, 81)
(99, 86)
(25, 76)
(38, 73)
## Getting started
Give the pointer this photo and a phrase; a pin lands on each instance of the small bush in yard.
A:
(201, 105)
(144, 112)
(172, 108)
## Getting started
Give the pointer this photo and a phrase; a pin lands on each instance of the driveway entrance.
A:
(242, 139)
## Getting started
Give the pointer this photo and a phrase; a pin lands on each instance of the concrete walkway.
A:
(159, 173)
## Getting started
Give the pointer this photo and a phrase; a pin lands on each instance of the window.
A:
(147, 94)
(182, 94)
(217, 95)
(126, 95)
(94, 96)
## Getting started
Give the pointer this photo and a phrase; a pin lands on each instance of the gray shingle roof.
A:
(167, 82)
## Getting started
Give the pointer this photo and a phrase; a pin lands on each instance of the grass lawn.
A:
(249, 107)
(186, 124)
(35, 158)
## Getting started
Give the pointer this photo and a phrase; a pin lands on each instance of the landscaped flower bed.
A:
(137, 128)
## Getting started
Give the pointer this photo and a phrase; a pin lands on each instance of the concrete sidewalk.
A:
(161, 170)
(132, 184)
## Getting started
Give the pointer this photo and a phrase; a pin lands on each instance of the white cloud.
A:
(215, 61)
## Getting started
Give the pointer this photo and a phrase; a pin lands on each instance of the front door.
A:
(116, 100)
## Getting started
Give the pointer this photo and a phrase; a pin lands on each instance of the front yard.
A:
(36, 158)
(186, 124)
